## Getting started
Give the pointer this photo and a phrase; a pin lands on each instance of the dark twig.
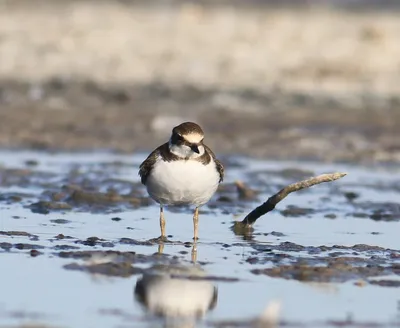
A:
(271, 202)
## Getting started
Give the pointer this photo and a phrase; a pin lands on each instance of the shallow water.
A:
(38, 289)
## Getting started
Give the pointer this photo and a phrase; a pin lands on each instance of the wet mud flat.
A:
(78, 245)
(273, 123)
(269, 72)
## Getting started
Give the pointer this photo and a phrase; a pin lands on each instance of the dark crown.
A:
(187, 128)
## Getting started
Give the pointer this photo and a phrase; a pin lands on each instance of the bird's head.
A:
(187, 140)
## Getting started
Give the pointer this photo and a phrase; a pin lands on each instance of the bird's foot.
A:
(161, 239)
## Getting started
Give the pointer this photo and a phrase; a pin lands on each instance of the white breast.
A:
(182, 182)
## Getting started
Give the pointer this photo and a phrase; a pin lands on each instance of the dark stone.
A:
(35, 252)
(43, 207)
(6, 246)
(65, 247)
(60, 221)
(385, 283)
(277, 234)
(350, 196)
(15, 233)
(91, 241)
(28, 246)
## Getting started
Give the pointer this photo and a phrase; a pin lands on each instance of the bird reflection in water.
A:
(194, 251)
(176, 294)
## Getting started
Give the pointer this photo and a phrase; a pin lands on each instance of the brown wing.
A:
(220, 169)
(148, 164)
(218, 164)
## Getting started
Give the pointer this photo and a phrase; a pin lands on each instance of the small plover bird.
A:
(183, 171)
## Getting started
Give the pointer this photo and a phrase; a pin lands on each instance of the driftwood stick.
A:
(271, 202)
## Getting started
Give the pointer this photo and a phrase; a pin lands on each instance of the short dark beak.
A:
(195, 148)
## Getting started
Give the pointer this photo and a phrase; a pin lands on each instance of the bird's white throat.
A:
(184, 151)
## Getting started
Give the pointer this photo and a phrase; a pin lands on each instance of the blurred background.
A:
(298, 79)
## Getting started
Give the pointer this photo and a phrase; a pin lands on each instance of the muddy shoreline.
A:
(75, 116)
(274, 83)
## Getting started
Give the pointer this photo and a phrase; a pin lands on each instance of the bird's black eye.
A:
(177, 139)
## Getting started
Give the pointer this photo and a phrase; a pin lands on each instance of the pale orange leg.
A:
(196, 223)
(162, 223)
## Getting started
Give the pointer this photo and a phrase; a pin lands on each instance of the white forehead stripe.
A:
(193, 137)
